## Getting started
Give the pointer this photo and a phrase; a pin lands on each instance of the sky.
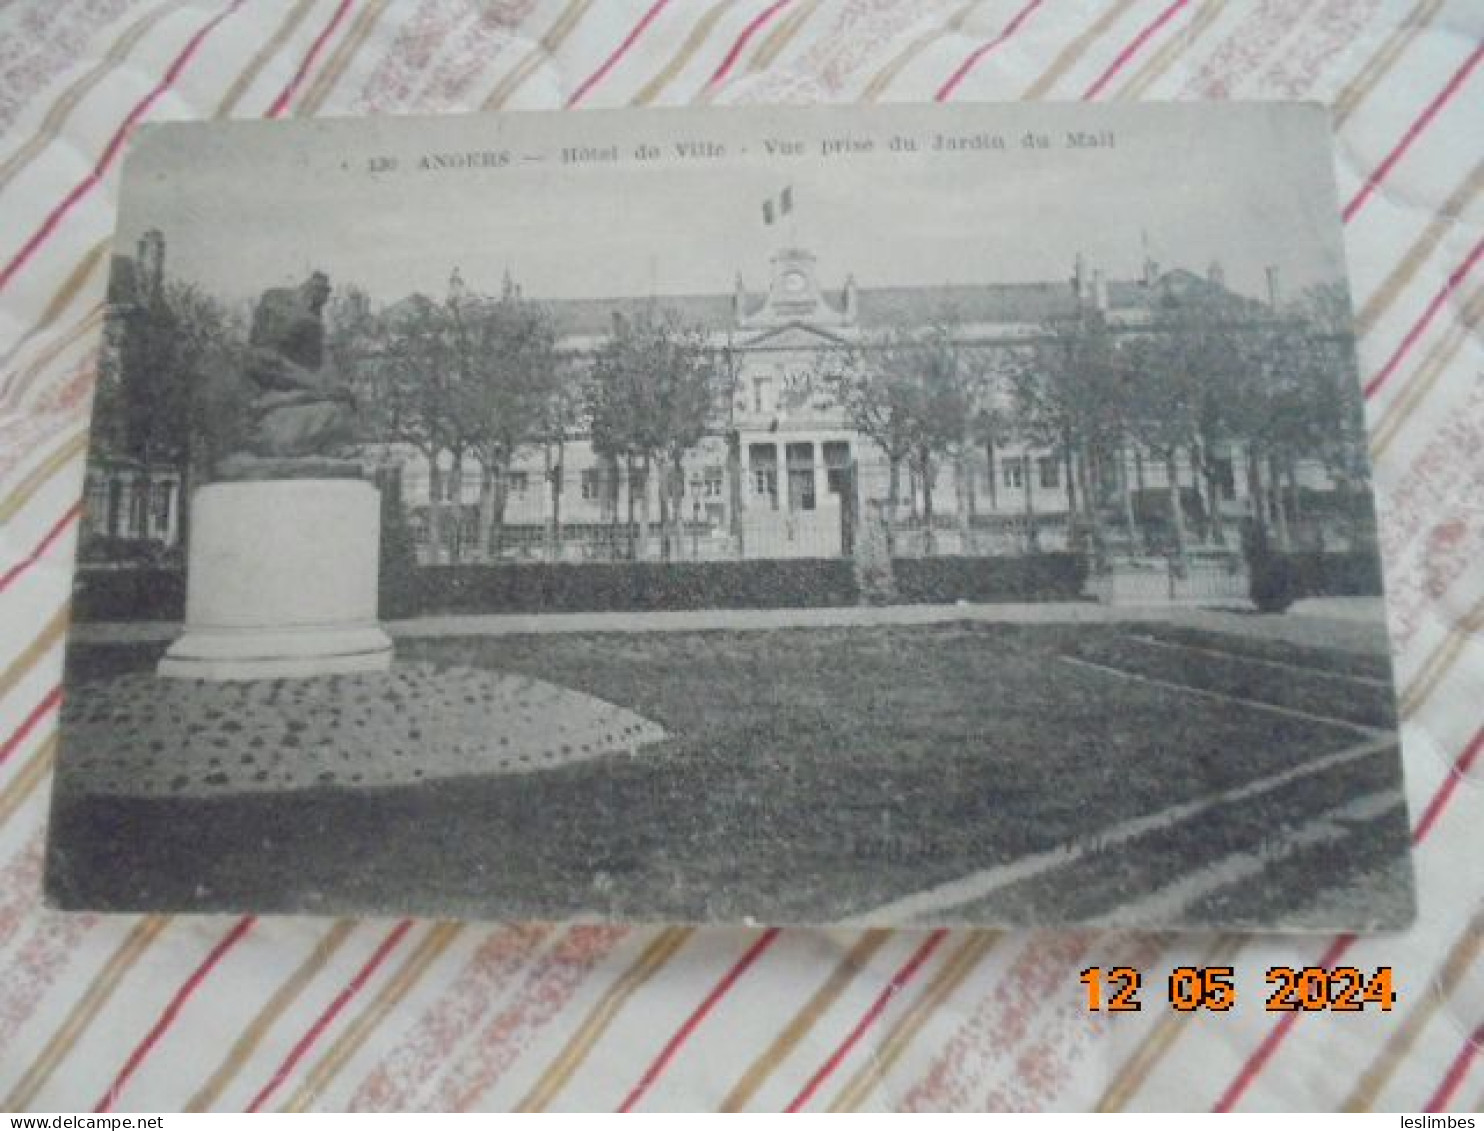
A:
(247, 206)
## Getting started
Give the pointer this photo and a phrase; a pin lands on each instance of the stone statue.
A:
(302, 426)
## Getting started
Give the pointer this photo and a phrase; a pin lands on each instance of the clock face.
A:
(795, 283)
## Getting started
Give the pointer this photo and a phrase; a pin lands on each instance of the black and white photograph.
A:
(900, 516)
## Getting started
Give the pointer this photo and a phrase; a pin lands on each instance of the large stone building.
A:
(781, 464)
(795, 445)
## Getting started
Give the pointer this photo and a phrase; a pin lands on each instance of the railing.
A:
(1198, 578)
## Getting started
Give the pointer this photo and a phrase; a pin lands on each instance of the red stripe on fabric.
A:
(28, 724)
(729, 60)
(895, 986)
(1413, 131)
(89, 182)
(1454, 280)
(1460, 768)
(1270, 1043)
(1132, 49)
(1456, 1071)
(68, 517)
(189, 987)
(719, 991)
(1255, 1063)
(182, 995)
(984, 49)
(325, 1019)
(601, 73)
(281, 103)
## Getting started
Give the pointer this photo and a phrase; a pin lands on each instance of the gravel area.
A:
(141, 736)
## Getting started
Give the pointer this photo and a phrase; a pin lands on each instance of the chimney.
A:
(1100, 291)
(1216, 274)
(850, 298)
(1079, 276)
(1274, 294)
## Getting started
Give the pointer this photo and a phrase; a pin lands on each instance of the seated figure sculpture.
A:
(301, 424)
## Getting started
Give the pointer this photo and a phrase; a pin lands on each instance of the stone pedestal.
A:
(281, 582)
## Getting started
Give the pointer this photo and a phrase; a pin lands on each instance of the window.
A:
(138, 504)
(115, 504)
(1226, 478)
(1013, 469)
(765, 482)
(451, 485)
(164, 496)
(98, 503)
(763, 459)
(712, 482)
(516, 482)
(762, 394)
(837, 465)
(800, 477)
(592, 484)
(1050, 471)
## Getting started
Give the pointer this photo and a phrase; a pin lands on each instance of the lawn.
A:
(811, 774)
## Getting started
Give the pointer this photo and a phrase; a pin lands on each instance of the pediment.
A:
(794, 335)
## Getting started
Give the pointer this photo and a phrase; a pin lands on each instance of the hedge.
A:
(1352, 574)
(1278, 580)
(128, 594)
(536, 587)
(1035, 577)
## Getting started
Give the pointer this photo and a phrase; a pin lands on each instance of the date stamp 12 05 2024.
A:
(1291, 989)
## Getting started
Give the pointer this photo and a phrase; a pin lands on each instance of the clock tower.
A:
(794, 296)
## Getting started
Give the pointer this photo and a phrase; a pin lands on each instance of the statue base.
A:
(282, 582)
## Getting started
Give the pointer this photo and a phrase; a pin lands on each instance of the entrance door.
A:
(800, 477)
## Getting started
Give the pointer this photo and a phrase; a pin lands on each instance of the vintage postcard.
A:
(903, 516)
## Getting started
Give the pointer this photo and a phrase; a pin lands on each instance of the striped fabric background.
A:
(165, 1014)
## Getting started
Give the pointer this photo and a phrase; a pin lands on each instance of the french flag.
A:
(779, 208)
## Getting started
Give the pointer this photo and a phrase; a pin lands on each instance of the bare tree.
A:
(507, 354)
(879, 402)
(650, 400)
(563, 414)
(1307, 404)
(1071, 391)
(414, 396)
(170, 394)
(914, 394)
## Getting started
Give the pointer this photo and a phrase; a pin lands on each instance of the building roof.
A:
(594, 316)
(1008, 303)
